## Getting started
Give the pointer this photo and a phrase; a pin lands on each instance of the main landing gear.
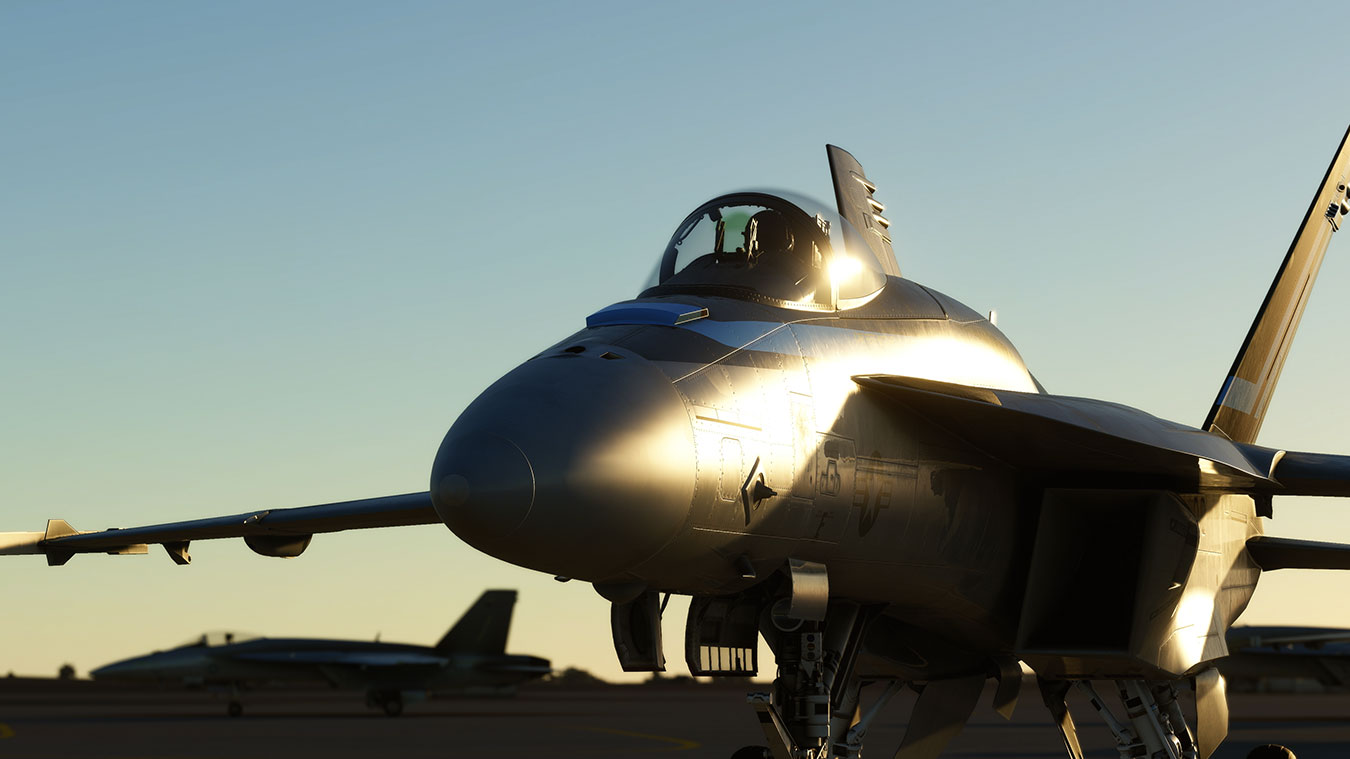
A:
(235, 707)
(1154, 725)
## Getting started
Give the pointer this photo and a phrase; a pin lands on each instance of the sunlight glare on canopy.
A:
(843, 268)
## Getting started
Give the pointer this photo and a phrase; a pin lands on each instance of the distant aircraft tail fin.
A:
(1242, 402)
(484, 627)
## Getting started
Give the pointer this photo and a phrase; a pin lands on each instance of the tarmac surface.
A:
(78, 719)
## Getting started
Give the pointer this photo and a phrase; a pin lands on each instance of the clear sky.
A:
(259, 254)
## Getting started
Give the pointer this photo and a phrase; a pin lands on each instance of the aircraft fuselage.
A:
(750, 400)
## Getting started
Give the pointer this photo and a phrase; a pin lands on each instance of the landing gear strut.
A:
(1154, 725)
(236, 705)
(812, 712)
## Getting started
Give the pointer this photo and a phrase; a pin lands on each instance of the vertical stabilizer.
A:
(484, 627)
(1241, 406)
(853, 193)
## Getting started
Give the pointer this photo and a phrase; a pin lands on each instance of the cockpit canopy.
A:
(772, 247)
(216, 638)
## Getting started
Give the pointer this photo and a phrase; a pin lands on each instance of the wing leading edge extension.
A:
(275, 532)
(1069, 439)
(1063, 437)
(1066, 440)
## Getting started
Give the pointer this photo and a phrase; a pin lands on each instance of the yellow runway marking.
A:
(677, 744)
(6, 731)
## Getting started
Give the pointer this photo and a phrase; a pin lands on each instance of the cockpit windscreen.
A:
(215, 638)
(762, 246)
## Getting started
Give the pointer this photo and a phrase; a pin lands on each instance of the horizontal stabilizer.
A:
(1061, 435)
(1297, 473)
(1286, 553)
(515, 666)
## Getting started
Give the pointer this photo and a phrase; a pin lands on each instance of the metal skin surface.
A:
(757, 383)
(902, 513)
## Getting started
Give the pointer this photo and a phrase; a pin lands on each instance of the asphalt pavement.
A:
(40, 719)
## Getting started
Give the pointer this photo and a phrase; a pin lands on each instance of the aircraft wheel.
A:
(235, 709)
(393, 706)
(751, 752)
(1270, 751)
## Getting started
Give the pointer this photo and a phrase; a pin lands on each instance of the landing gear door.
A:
(836, 461)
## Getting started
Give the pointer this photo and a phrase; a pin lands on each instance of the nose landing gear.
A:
(813, 710)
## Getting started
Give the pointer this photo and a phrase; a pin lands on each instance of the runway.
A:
(40, 719)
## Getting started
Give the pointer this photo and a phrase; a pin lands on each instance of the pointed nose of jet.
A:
(161, 665)
(575, 465)
(121, 670)
(483, 485)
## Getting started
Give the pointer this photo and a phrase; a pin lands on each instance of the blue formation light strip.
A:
(668, 314)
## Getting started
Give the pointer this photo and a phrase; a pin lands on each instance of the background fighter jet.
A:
(862, 471)
(1278, 658)
(470, 659)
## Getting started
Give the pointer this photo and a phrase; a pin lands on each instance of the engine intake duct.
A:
(1107, 571)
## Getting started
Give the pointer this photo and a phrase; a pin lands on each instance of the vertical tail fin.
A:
(1241, 406)
(484, 627)
(853, 192)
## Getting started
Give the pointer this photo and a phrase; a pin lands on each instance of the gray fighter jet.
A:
(1259, 656)
(863, 471)
(471, 659)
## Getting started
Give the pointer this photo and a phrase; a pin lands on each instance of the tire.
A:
(751, 752)
(235, 709)
(393, 706)
(1270, 751)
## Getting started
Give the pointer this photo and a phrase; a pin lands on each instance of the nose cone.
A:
(156, 666)
(573, 465)
(487, 486)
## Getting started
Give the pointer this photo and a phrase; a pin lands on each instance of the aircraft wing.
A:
(1257, 637)
(363, 659)
(270, 532)
(1061, 436)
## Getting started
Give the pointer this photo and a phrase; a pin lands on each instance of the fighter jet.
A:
(470, 659)
(1258, 655)
(864, 472)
